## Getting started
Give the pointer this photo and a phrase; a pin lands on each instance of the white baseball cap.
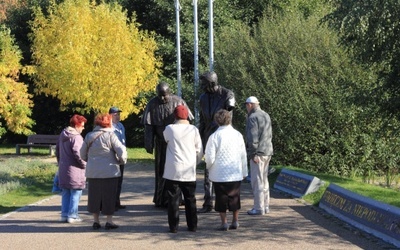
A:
(252, 99)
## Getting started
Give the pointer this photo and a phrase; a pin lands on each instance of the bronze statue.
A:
(214, 98)
(158, 114)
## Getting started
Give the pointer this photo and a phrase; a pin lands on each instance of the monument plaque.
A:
(296, 184)
(374, 217)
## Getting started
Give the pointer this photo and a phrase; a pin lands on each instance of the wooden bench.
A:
(39, 141)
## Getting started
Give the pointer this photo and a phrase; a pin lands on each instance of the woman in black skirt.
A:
(104, 153)
(226, 160)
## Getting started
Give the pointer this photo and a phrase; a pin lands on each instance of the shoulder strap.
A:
(97, 136)
(110, 134)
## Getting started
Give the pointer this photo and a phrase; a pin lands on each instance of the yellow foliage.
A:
(91, 56)
(15, 105)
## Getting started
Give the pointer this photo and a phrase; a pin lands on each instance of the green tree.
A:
(91, 57)
(310, 87)
(152, 13)
(15, 103)
(159, 16)
(372, 30)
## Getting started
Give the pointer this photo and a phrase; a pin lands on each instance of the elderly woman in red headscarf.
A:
(103, 152)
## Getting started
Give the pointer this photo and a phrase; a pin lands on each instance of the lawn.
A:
(375, 191)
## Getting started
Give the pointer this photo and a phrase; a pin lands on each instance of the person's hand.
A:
(256, 159)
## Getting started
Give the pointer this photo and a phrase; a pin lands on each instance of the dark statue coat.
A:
(156, 117)
(210, 103)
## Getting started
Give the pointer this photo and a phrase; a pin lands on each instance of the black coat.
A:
(210, 103)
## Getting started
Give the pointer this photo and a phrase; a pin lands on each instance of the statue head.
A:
(209, 82)
(163, 92)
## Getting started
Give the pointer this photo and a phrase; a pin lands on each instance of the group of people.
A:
(97, 160)
(178, 147)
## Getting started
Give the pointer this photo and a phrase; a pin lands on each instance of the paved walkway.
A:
(290, 225)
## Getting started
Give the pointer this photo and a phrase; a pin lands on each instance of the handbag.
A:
(56, 188)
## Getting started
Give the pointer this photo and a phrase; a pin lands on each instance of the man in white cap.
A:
(259, 151)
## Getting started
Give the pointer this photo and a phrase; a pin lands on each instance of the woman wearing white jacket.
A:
(226, 160)
(184, 151)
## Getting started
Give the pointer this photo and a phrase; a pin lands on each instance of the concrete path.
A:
(290, 225)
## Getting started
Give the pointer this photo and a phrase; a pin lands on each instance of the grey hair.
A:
(223, 117)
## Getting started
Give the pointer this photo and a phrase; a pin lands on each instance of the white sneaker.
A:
(74, 220)
(255, 212)
(266, 210)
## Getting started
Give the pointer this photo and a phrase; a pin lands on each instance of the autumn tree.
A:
(92, 57)
(15, 103)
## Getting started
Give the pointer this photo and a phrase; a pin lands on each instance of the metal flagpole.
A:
(178, 48)
(211, 33)
(196, 62)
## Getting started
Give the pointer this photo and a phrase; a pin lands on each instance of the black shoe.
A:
(234, 225)
(111, 226)
(192, 229)
(204, 210)
(96, 225)
(174, 231)
(119, 207)
(223, 227)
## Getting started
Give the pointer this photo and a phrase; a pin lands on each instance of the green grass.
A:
(386, 195)
(10, 150)
(134, 154)
(26, 179)
(24, 196)
(139, 154)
